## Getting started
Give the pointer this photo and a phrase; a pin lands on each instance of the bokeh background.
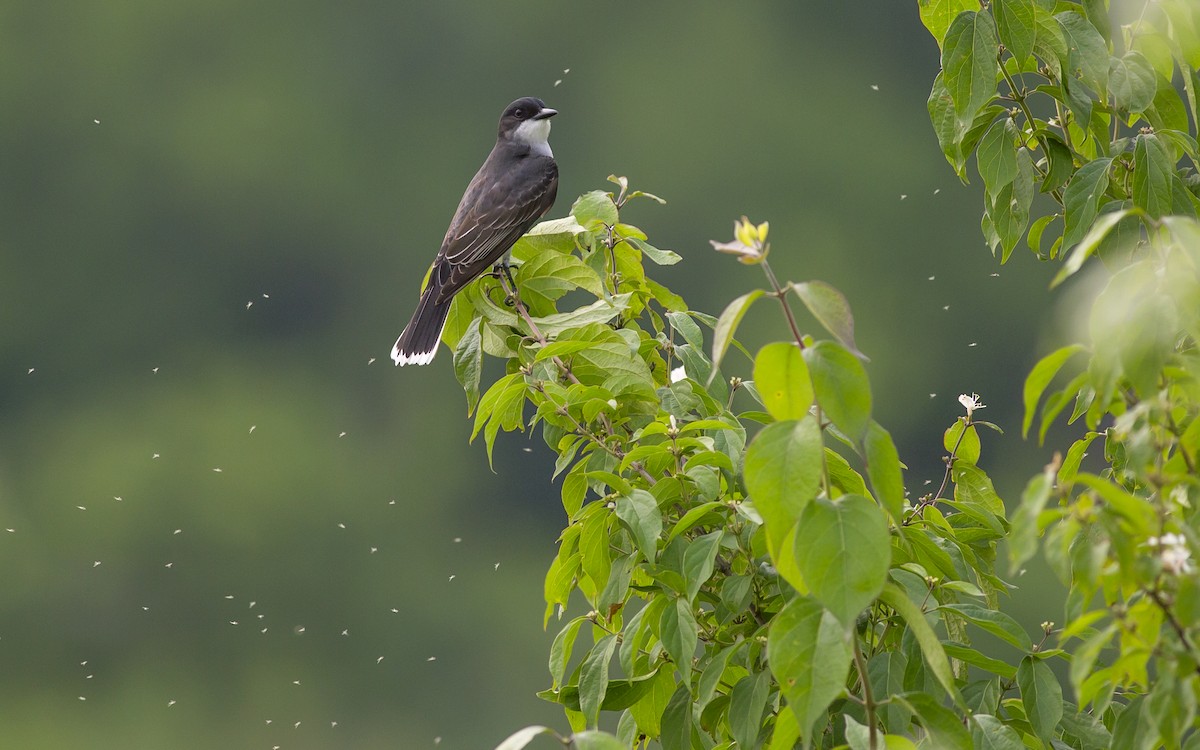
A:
(225, 519)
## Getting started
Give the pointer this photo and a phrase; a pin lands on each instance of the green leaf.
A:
(698, 561)
(841, 386)
(747, 702)
(656, 255)
(786, 733)
(993, 621)
(1015, 25)
(468, 364)
(1167, 112)
(1087, 51)
(883, 468)
(809, 653)
(1081, 201)
(1152, 172)
(957, 139)
(596, 740)
(640, 514)
(943, 727)
(594, 545)
(518, 740)
(677, 720)
(962, 441)
(1022, 540)
(783, 474)
(886, 673)
(969, 62)
(931, 646)
(679, 632)
(989, 733)
(843, 550)
(936, 15)
(973, 487)
(1070, 464)
(593, 678)
(831, 310)
(1096, 235)
(1040, 377)
(1042, 696)
(728, 322)
(600, 311)
(551, 274)
(1132, 81)
(781, 378)
(595, 209)
(997, 155)
(560, 650)
(1134, 509)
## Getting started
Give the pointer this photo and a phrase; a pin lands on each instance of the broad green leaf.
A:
(997, 155)
(1040, 377)
(858, 737)
(698, 561)
(993, 621)
(936, 15)
(1087, 51)
(886, 673)
(560, 650)
(593, 678)
(728, 322)
(781, 378)
(1134, 509)
(1042, 696)
(600, 311)
(1167, 112)
(783, 474)
(596, 740)
(1132, 82)
(1070, 464)
(969, 62)
(1152, 173)
(962, 441)
(640, 514)
(1132, 730)
(809, 653)
(518, 740)
(1062, 166)
(1082, 199)
(973, 487)
(677, 720)
(831, 310)
(843, 550)
(1015, 25)
(957, 139)
(468, 363)
(842, 389)
(594, 545)
(595, 208)
(656, 255)
(1022, 540)
(883, 468)
(989, 733)
(943, 727)
(747, 702)
(1008, 210)
(786, 733)
(551, 274)
(1083, 656)
(931, 646)
(1096, 235)
(679, 632)
(648, 711)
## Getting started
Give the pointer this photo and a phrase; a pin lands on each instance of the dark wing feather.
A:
(493, 215)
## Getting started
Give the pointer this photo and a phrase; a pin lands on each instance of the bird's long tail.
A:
(419, 342)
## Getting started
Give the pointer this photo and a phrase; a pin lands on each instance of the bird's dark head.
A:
(527, 120)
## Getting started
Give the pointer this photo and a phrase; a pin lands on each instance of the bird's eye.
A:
(519, 114)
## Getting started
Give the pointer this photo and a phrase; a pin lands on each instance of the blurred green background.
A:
(222, 525)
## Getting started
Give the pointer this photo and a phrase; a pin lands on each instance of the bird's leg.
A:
(503, 271)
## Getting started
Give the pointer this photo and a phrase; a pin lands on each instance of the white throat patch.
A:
(535, 134)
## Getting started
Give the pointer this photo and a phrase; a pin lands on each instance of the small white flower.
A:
(1177, 560)
(671, 419)
(678, 374)
(971, 403)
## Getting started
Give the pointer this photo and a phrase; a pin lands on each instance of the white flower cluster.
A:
(971, 403)
(1174, 553)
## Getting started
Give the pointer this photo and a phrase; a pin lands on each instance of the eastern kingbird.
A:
(514, 188)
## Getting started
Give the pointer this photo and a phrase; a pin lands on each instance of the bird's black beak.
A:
(545, 114)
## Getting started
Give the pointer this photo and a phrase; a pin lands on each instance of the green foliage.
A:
(749, 557)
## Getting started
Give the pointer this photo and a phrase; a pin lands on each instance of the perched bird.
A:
(514, 188)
